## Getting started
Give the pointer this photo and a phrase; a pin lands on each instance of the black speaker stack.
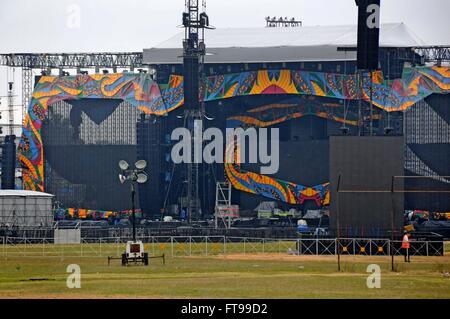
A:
(368, 34)
(191, 82)
(8, 162)
(150, 147)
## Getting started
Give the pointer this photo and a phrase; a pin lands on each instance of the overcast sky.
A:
(125, 25)
(131, 25)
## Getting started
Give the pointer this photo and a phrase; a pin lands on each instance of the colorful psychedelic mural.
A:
(272, 188)
(266, 186)
(152, 98)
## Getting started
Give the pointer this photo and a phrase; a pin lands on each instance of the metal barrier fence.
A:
(213, 246)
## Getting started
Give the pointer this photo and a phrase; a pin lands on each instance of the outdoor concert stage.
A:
(79, 127)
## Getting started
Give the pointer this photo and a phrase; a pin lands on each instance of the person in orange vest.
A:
(406, 245)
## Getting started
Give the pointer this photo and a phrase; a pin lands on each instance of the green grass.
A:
(272, 276)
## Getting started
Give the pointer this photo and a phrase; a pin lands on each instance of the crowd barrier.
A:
(213, 246)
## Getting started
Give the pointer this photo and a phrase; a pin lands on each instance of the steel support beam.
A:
(434, 53)
(27, 90)
(427, 53)
(72, 60)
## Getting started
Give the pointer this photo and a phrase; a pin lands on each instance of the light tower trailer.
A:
(135, 253)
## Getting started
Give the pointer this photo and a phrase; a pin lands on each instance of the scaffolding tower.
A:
(27, 89)
(224, 210)
(194, 51)
(11, 108)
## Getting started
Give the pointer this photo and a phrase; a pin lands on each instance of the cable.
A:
(345, 100)
(388, 78)
(171, 178)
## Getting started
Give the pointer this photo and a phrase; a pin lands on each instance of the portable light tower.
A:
(135, 249)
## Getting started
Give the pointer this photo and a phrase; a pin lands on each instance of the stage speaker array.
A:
(368, 34)
(150, 148)
(191, 82)
(8, 162)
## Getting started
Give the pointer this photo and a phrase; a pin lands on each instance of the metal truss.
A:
(27, 89)
(434, 53)
(30, 61)
(418, 55)
(72, 60)
(135, 59)
(176, 246)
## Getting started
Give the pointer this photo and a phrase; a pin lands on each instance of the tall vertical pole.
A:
(194, 51)
(392, 223)
(11, 107)
(133, 192)
(360, 97)
(338, 223)
(368, 50)
(27, 90)
(371, 104)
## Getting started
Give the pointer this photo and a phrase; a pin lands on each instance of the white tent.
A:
(25, 208)
(298, 44)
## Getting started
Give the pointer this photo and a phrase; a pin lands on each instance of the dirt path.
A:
(32, 295)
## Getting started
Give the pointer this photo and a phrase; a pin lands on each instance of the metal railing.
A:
(213, 246)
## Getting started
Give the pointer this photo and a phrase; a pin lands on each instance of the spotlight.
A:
(122, 179)
(204, 20)
(202, 48)
(105, 71)
(123, 165)
(141, 165)
(185, 19)
(344, 130)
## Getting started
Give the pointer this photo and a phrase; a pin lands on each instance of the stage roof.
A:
(294, 44)
(22, 193)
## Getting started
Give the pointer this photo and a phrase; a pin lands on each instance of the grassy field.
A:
(270, 275)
